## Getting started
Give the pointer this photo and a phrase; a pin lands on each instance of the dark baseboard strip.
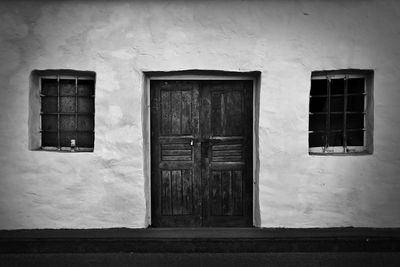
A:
(219, 240)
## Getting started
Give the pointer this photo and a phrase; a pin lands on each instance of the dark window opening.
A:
(67, 113)
(339, 114)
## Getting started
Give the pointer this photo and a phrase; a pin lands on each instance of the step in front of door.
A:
(200, 240)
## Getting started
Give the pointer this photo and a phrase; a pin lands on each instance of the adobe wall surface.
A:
(285, 40)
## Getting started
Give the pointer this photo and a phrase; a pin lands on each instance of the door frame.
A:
(211, 75)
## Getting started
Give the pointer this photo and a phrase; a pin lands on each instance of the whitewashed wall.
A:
(285, 40)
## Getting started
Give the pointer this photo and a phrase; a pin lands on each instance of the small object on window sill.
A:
(327, 150)
(73, 145)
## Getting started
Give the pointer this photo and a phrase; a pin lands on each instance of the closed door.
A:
(201, 145)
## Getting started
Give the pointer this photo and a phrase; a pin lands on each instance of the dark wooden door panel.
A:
(201, 153)
(175, 180)
(177, 192)
(226, 120)
(227, 110)
(226, 190)
(176, 111)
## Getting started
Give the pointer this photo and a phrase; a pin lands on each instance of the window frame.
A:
(69, 76)
(367, 147)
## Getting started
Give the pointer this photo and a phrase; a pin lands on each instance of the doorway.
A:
(201, 153)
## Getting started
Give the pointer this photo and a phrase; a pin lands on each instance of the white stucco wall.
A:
(285, 40)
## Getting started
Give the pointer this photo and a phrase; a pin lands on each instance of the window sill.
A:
(67, 149)
(361, 153)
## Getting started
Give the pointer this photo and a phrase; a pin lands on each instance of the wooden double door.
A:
(201, 153)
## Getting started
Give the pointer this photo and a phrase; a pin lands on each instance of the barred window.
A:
(340, 114)
(67, 112)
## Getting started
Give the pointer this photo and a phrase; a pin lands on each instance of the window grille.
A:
(67, 113)
(339, 111)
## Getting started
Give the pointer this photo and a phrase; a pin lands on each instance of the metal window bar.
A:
(338, 131)
(58, 115)
(41, 112)
(76, 110)
(345, 115)
(333, 112)
(352, 94)
(365, 113)
(328, 115)
(80, 113)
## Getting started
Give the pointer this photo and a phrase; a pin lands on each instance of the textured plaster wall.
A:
(285, 40)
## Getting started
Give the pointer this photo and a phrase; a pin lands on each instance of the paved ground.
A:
(203, 259)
